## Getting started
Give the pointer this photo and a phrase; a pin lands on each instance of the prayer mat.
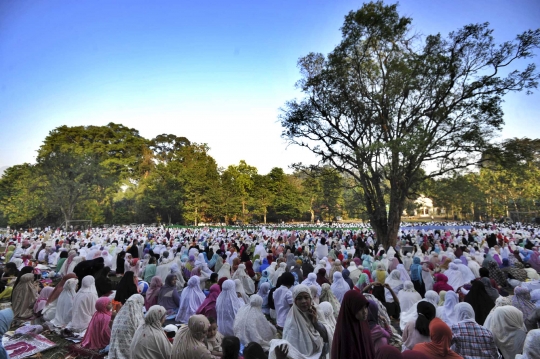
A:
(27, 345)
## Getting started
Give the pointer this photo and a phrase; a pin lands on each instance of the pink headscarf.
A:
(152, 293)
(208, 307)
(41, 301)
(98, 334)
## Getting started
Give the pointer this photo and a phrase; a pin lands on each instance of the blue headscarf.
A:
(264, 265)
(6, 317)
(416, 270)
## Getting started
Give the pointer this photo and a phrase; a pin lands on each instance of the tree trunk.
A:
(264, 216)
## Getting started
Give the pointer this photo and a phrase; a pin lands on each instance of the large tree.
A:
(385, 103)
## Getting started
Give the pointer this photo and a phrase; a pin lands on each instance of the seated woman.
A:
(64, 307)
(84, 305)
(302, 329)
(506, 324)
(250, 325)
(379, 335)
(24, 298)
(189, 340)
(168, 295)
(152, 293)
(441, 338)
(352, 338)
(126, 322)
(417, 331)
(49, 312)
(125, 289)
(149, 340)
(190, 300)
(98, 334)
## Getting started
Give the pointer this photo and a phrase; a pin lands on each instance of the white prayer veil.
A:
(339, 286)
(245, 279)
(190, 300)
(64, 306)
(227, 305)
(464, 312)
(506, 324)
(250, 324)
(298, 329)
(531, 348)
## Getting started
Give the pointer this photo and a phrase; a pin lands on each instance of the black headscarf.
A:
(120, 262)
(125, 288)
(103, 283)
(480, 300)
(133, 250)
(90, 267)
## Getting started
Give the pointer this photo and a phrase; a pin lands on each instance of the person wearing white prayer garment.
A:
(190, 300)
(466, 273)
(302, 329)
(278, 273)
(408, 296)
(84, 305)
(283, 299)
(455, 278)
(339, 286)
(227, 306)
(447, 312)
(395, 282)
(250, 324)
(245, 279)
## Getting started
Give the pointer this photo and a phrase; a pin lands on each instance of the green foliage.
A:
(384, 103)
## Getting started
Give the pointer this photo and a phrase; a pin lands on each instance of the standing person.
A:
(470, 339)
(352, 338)
(416, 276)
(126, 322)
(149, 340)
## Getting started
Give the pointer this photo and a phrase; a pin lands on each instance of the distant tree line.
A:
(111, 174)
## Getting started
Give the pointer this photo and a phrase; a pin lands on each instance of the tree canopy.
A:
(387, 104)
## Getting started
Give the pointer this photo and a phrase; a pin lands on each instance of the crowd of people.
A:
(203, 293)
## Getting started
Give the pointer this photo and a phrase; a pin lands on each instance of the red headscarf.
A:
(220, 282)
(441, 283)
(441, 338)
(208, 306)
(352, 338)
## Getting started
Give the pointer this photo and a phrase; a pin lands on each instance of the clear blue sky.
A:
(216, 72)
